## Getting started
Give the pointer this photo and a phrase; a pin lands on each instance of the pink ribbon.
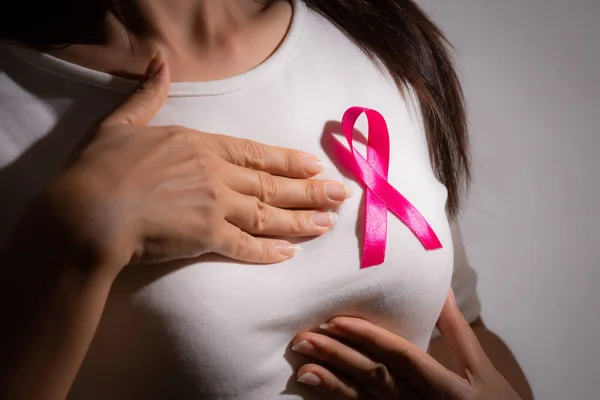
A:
(381, 196)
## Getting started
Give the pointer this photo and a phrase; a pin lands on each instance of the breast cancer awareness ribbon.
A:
(372, 173)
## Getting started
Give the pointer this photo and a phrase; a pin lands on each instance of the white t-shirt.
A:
(219, 329)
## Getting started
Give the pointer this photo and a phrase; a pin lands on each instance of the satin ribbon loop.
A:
(372, 173)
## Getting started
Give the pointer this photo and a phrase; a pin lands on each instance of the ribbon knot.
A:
(372, 173)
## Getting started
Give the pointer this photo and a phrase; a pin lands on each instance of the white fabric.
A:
(220, 329)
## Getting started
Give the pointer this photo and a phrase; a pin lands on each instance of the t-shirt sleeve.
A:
(464, 279)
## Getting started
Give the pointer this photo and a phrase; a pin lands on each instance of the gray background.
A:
(531, 70)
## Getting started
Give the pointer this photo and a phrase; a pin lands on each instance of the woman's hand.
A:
(139, 193)
(359, 360)
(151, 194)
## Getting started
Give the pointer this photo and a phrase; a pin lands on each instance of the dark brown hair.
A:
(413, 49)
(395, 32)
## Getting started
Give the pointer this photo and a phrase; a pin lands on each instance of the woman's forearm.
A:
(50, 304)
(498, 353)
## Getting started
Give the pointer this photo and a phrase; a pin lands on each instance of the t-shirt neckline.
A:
(255, 76)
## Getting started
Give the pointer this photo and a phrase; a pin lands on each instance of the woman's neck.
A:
(205, 23)
(201, 39)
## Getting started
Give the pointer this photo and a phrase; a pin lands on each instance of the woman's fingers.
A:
(239, 245)
(145, 102)
(255, 217)
(404, 359)
(460, 338)
(273, 160)
(372, 376)
(332, 386)
(286, 192)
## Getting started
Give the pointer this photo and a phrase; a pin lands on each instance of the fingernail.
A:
(310, 379)
(303, 347)
(337, 191)
(326, 326)
(324, 219)
(287, 249)
(349, 191)
(154, 66)
(314, 166)
(451, 297)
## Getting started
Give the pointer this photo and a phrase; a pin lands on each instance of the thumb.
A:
(148, 98)
(460, 338)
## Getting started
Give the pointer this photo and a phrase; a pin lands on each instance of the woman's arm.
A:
(140, 194)
(497, 352)
(464, 284)
(355, 359)
(51, 300)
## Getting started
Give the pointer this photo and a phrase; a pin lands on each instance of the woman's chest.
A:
(325, 277)
(205, 321)
(223, 329)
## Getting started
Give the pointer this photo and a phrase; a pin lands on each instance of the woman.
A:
(194, 207)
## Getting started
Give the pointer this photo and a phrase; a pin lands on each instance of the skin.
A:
(495, 349)
(114, 207)
(94, 220)
(201, 40)
(354, 359)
